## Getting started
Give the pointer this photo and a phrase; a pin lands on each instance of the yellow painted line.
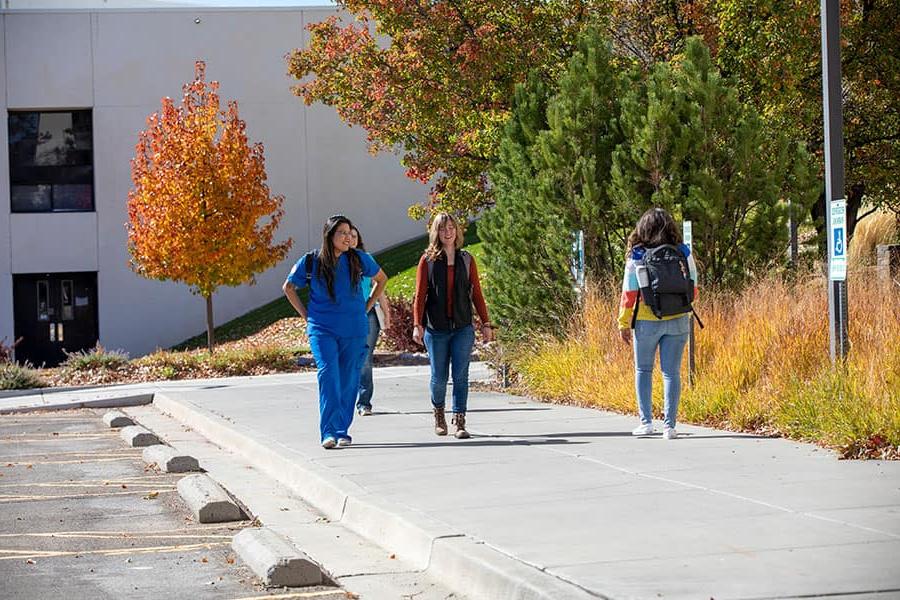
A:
(132, 536)
(131, 452)
(4, 499)
(295, 595)
(138, 480)
(70, 484)
(233, 525)
(52, 438)
(20, 554)
(68, 462)
(75, 434)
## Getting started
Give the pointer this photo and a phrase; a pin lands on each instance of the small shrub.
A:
(96, 358)
(252, 361)
(398, 337)
(167, 364)
(19, 377)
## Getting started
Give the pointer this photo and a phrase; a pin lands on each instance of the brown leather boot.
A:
(440, 421)
(459, 419)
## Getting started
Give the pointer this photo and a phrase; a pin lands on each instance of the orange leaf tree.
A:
(200, 211)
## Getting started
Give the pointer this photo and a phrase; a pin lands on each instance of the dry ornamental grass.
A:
(762, 364)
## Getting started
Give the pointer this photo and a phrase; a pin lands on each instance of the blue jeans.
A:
(338, 359)
(366, 385)
(670, 337)
(446, 348)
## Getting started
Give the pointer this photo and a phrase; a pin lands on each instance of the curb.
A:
(275, 560)
(447, 554)
(115, 419)
(170, 461)
(115, 402)
(138, 437)
(207, 500)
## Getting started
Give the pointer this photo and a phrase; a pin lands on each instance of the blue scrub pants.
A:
(339, 360)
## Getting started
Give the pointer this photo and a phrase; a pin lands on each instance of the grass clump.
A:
(762, 364)
(19, 377)
(97, 358)
(224, 362)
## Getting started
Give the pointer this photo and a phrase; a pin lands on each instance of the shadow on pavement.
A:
(466, 443)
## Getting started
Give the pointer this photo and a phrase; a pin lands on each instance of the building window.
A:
(51, 161)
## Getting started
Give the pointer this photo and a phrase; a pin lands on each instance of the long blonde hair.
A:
(435, 248)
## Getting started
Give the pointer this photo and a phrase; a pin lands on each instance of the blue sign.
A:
(839, 247)
(838, 240)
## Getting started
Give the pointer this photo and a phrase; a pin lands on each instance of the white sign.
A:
(837, 238)
(577, 264)
(688, 235)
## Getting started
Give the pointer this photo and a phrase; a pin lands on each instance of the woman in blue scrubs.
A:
(336, 321)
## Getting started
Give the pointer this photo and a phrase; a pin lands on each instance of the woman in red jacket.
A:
(447, 286)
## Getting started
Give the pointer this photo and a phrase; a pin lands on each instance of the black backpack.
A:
(668, 289)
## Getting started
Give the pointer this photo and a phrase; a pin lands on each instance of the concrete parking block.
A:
(169, 460)
(275, 560)
(208, 501)
(138, 437)
(117, 419)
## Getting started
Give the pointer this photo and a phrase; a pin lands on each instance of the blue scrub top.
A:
(345, 315)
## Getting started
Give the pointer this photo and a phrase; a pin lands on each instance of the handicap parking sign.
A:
(839, 247)
(838, 255)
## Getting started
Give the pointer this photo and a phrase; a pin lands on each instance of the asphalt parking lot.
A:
(81, 517)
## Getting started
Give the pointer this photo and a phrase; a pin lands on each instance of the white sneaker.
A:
(644, 429)
(669, 433)
(344, 442)
(329, 443)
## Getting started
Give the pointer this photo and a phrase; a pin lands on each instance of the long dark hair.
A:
(359, 242)
(655, 228)
(328, 260)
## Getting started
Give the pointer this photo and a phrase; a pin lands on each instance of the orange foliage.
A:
(197, 211)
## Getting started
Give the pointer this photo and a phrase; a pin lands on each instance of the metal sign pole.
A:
(688, 235)
(836, 221)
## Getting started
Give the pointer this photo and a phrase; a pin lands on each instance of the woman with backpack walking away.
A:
(336, 321)
(447, 285)
(379, 320)
(657, 291)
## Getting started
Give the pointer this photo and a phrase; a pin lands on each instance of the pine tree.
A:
(575, 152)
(692, 147)
(551, 181)
(526, 246)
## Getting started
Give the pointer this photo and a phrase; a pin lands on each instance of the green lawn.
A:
(399, 263)
(403, 280)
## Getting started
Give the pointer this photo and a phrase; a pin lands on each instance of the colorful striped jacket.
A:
(630, 289)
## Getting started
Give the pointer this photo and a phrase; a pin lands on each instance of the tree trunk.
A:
(210, 335)
(854, 203)
(854, 198)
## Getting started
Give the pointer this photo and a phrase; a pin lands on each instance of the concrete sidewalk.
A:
(559, 502)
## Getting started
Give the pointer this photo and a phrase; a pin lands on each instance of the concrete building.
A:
(76, 87)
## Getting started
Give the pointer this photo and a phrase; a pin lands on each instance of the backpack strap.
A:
(310, 256)
(637, 303)
(696, 316)
(467, 260)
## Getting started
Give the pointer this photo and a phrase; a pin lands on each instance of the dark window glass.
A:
(30, 198)
(51, 161)
(43, 300)
(72, 196)
(68, 310)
